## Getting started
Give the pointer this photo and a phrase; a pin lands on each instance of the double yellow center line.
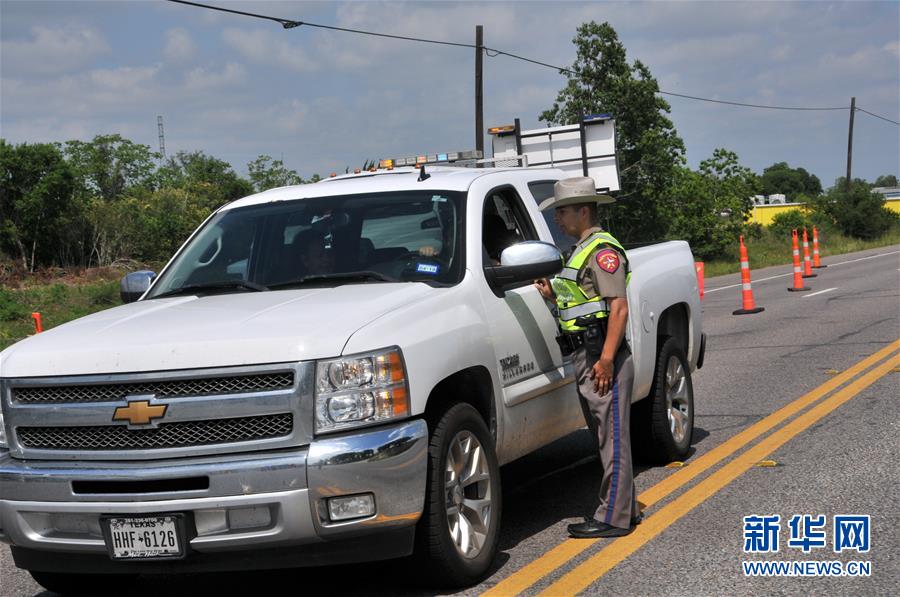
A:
(594, 567)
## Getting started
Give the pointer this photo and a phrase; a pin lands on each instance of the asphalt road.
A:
(837, 454)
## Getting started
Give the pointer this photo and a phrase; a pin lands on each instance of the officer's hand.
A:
(602, 374)
(543, 286)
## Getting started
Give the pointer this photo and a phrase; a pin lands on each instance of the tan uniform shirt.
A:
(596, 279)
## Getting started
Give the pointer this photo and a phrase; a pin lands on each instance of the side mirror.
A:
(135, 284)
(524, 262)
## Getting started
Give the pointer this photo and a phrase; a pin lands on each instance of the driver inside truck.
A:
(314, 257)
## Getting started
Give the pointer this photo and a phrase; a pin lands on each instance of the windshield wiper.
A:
(224, 285)
(341, 276)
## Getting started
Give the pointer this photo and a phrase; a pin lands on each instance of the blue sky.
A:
(237, 87)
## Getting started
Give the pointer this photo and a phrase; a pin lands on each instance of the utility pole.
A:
(479, 85)
(850, 142)
(162, 139)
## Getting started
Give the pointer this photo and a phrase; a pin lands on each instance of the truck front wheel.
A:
(459, 530)
(663, 423)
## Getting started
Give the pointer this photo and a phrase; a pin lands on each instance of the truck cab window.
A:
(504, 223)
(403, 236)
(540, 191)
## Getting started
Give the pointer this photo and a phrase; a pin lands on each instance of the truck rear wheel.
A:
(663, 423)
(66, 583)
(459, 530)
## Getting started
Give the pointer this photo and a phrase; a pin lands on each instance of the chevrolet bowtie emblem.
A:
(139, 412)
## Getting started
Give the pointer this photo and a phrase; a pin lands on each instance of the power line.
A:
(877, 116)
(286, 23)
(493, 53)
(704, 99)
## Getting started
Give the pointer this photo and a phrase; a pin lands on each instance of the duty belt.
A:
(569, 343)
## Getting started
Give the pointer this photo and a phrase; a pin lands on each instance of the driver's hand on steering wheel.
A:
(428, 251)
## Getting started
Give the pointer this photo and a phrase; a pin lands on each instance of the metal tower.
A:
(162, 138)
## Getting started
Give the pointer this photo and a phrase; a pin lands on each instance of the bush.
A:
(105, 294)
(58, 293)
(783, 223)
(753, 230)
(858, 212)
(10, 308)
(709, 207)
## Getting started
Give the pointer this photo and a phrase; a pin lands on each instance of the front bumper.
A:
(236, 503)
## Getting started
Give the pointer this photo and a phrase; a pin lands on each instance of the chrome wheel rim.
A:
(677, 400)
(467, 489)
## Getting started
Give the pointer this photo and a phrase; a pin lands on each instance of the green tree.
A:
(167, 218)
(210, 179)
(36, 187)
(116, 229)
(886, 180)
(795, 183)
(108, 169)
(649, 150)
(856, 210)
(709, 207)
(269, 173)
(109, 165)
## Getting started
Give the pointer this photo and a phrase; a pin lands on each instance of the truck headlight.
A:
(360, 390)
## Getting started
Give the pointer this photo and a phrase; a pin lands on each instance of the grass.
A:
(771, 250)
(57, 303)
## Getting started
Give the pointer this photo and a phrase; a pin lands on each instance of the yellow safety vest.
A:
(571, 302)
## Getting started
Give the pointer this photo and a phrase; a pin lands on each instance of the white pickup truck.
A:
(322, 374)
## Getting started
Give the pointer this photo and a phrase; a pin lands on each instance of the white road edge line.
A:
(820, 292)
(792, 273)
(760, 280)
(863, 258)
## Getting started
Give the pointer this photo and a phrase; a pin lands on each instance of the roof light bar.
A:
(433, 158)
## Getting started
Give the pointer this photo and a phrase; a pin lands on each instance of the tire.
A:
(663, 423)
(66, 583)
(460, 506)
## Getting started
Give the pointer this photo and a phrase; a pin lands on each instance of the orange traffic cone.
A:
(798, 276)
(807, 264)
(38, 326)
(698, 265)
(816, 263)
(746, 292)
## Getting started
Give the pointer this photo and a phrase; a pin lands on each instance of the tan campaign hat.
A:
(574, 191)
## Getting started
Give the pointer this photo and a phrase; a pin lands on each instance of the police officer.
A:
(592, 309)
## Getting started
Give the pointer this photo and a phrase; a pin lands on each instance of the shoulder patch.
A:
(608, 260)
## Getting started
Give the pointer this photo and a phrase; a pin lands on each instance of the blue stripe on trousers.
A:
(615, 472)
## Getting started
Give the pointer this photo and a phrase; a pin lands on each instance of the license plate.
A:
(146, 537)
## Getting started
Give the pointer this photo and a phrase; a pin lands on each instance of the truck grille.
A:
(167, 435)
(210, 386)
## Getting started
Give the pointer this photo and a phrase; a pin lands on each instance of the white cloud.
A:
(236, 87)
(123, 79)
(202, 78)
(266, 46)
(52, 50)
(179, 45)
(893, 48)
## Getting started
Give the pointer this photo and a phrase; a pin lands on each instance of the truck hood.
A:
(213, 331)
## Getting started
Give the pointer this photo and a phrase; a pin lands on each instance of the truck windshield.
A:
(411, 236)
